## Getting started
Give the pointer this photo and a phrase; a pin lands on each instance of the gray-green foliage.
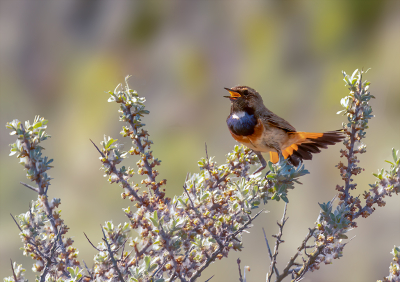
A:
(180, 237)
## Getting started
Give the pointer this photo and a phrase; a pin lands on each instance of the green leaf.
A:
(275, 197)
(154, 219)
(394, 154)
(37, 125)
(147, 261)
(110, 142)
(354, 73)
(271, 167)
(71, 271)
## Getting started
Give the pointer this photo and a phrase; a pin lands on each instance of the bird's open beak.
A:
(234, 95)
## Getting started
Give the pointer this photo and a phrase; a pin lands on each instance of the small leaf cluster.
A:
(18, 274)
(42, 228)
(29, 151)
(282, 177)
(114, 240)
(394, 268)
(331, 227)
(387, 183)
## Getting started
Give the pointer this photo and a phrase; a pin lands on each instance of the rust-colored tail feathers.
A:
(304, 144)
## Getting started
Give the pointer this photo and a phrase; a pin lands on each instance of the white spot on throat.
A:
(238, 115)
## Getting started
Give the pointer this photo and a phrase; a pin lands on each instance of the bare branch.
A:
(187, 193)
(110, 252)
(49, 259)
(219, 250)
(240, 271)
(16, 222)
(269, 250)
(92, 243)
(292, 262)
(209, 278)
(278, 241)
(206, 151)
(87, 269)
(30, 187)
(101, 153)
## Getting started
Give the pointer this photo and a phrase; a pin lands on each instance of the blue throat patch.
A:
(241, 123)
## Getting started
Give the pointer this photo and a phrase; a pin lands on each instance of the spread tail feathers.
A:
(304, 144)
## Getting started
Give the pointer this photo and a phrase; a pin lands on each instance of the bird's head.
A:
(244, 98)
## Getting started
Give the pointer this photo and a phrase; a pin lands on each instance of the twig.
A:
(139, 144)
(123, 249)
(12, 267)
(30, 187)
(350, 158)
(91, 275)
(206, 153)
(240, 271)
(219, 250)
(201, 218)
(278, 237)
(122, 245)
(159, 268)
(269, 250)
(291, 262)
(311, 259)
(184, 187)
(48, 263)
(101, 153)
(112, 256)
(164, 235)
(16, 222)
(92, 243)
(124, 182)
(141, 252)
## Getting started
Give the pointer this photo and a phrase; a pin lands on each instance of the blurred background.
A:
(59, 57)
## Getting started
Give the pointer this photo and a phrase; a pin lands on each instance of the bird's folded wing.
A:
(274, 120)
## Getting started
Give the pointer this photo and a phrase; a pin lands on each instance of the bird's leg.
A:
(262, 161)
(279, 151)
(281, 157)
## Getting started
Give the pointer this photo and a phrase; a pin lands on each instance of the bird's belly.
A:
(255, 144)
(263, 139)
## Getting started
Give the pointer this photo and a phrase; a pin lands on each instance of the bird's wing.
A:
(273, 119)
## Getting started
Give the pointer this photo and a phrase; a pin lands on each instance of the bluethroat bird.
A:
(256, 127)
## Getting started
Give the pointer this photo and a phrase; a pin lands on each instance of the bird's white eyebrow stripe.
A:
(238, 115)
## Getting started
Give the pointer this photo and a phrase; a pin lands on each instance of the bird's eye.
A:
(245, 92)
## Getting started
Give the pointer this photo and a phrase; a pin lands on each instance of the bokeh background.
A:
(59, 57)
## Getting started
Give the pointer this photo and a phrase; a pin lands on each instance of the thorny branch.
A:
(240, 271)
(279, 240)
(111, 255)
(219, 250)
(333, 224)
